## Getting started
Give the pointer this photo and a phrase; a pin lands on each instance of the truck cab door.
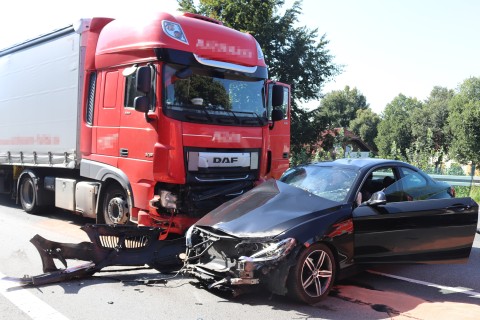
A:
(279, 134)
(105, 137)
(137, 138)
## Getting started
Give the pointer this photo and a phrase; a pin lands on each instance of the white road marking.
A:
(466, 291)
(34, 307)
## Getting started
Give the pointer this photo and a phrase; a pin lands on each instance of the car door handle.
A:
(458, 207)
(123, 152)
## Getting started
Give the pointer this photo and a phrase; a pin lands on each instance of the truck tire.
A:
(28, 195)
(115, 205)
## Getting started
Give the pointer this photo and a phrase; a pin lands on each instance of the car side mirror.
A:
(378, 198)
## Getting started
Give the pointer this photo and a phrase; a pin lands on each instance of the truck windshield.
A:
(207, 95)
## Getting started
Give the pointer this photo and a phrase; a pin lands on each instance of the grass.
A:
(473, 192)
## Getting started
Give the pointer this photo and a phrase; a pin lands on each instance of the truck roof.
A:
(204, 37)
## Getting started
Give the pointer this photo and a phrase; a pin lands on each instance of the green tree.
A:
(464, 121)
(430, 130)
(365, 125)
(295, 54)
(339, 107)
(395, 127)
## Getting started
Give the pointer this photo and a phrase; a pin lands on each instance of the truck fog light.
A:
(168, 199)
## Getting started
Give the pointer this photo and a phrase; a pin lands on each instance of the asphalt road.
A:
(383, 292)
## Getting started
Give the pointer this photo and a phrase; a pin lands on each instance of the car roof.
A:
(360, 163)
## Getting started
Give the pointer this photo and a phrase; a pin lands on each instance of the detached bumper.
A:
(111, 245)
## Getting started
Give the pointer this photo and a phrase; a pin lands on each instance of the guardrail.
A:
(466, 181)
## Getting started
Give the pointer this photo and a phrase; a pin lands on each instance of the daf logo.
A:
(225, 159)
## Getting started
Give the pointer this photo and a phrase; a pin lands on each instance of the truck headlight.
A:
(168, 200)
(273, 251)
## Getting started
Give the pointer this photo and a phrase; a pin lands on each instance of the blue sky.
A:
(398, 46)
(387, 47)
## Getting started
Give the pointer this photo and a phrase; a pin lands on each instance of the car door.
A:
(424, 231)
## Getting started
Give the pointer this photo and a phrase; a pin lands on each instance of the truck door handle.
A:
(123, 152)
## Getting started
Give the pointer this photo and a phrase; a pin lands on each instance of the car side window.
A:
(412, 186)
(377, 180)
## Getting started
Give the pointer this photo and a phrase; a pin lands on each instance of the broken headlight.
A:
(272, 251)
(168, 200)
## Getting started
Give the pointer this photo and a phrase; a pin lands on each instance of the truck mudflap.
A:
(110, 245)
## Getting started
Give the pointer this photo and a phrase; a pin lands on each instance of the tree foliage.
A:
(430, 130)
(464, 121)
(365, 125)
(395, 127)
(340, 107)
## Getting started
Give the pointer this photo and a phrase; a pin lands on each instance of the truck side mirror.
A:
(277, 96)
(141, 104)
(277, 115)
(144, 79)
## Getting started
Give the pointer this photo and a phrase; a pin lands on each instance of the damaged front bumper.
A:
(110, 245)
(214, 260)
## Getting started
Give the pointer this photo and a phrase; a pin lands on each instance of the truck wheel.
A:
(115, 206)
(28, 195)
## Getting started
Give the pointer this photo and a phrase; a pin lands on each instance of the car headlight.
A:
(273, 251)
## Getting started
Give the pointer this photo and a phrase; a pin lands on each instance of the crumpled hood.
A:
(266, 211)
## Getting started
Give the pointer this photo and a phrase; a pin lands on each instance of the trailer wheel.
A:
(115, 206)
(28, 195)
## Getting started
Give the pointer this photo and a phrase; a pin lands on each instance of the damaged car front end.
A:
(227, 262)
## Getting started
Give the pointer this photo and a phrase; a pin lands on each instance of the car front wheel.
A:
(311, 279)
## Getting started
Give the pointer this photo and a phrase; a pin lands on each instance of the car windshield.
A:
(328, 182)
(206, 95)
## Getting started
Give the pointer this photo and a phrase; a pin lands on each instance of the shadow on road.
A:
(48, 212)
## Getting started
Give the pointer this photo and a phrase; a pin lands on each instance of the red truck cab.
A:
(176, 120)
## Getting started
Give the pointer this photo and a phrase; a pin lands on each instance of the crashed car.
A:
(320, 221)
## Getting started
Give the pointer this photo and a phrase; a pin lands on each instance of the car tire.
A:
(312, 278)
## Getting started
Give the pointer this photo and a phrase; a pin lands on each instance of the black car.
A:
(319, 221)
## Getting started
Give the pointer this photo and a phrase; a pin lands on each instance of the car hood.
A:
(267, 211)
